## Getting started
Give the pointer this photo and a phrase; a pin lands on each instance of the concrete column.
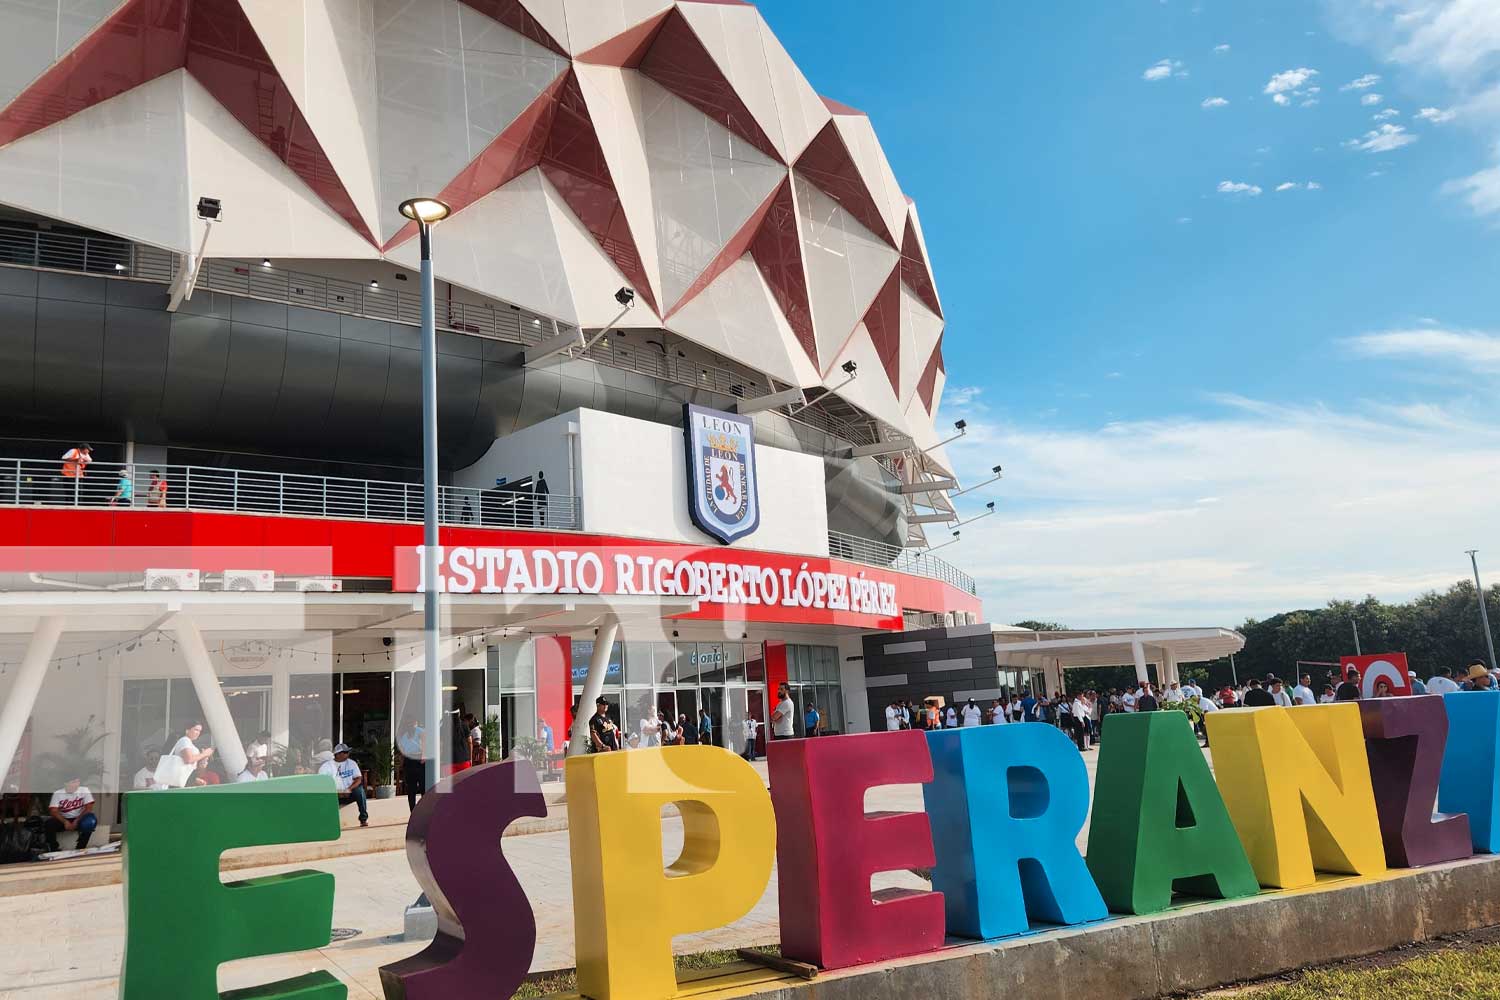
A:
(231, 750)
(1138, 653)
(1052, 675)
(1169, 666)
(281, 705)
(593, 687)
(18, 707)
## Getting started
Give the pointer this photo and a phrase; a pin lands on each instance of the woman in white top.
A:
(651, 729)
(184, 757)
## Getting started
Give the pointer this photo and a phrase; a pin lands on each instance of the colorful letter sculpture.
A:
(1006, 805)
(1159, 823)
(1469, 777)
(1297, 786)
(1404, 740)
(829, 848)
(626, 909)
(486, 930)
(172, 859)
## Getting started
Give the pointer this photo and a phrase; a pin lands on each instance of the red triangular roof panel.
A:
(215, 42)
(915, 271)
(928, 382)
(737, 247)
(678, 60)
(777, 251)
(883, 320)
(518, 19)
(840, 108)
(627, 49)
(827, 163)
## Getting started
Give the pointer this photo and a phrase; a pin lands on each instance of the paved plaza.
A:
(67, 945)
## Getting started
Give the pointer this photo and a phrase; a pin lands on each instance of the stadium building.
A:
(204, 275)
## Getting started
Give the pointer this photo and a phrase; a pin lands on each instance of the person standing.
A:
(413, 749)
(1442, 682)
(1279, 693)
(145, 778)
(973, 715)
(687, 732)
(784, 718)
(255, 770)
(71, 808)
(1479, 678)
(540, 492)
(812, 721)
(156, 490)
(349, 780)
(751, 725)
(1302, 694)
(1078, 714)
(1347, 691)
(705, 728)
(950, 718)
(75, 464)
(1417, 687)
(175, 770)
(124, 489)
(1257, 696)
(651, 728)
(1128, 700)
(905, 707)
(892, 718)
(1146, 701)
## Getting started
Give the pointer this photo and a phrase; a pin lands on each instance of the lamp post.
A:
(1484, 616)
(425, 212)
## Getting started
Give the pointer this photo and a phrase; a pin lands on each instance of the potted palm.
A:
(382, 767)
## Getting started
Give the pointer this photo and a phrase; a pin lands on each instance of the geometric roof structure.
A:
(583, 145)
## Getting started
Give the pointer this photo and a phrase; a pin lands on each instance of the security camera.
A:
(210, 210)
(386, 640)
(849, 367)
(626, 297)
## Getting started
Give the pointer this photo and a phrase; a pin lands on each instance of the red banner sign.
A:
(1376, 667)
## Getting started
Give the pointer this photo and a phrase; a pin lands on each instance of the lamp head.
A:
(850, 368)
(428, 210)
(210, 209)
(960, 425)
(996, 470)
(991, 505)
(626, 297)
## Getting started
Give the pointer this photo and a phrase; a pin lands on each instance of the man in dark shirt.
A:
(601, 731)
(1258, 696)
(1349, 690)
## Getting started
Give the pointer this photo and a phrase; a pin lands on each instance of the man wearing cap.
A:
(1417, 687)
(1479, 678)
(349, 780)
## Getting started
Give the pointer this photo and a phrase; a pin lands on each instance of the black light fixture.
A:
(996, 470)
(374, 283)
(960, 424)
(991, 505)
(265, 262)
(626, 297)
(210, 209)
(849, 367)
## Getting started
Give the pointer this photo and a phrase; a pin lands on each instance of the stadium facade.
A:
(205, 276)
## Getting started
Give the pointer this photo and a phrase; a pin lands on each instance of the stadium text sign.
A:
(1345, 788)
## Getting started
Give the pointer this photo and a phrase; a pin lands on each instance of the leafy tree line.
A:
(1433, 630)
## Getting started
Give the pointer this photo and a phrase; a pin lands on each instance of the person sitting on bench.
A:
(71, 808)
(349, 779)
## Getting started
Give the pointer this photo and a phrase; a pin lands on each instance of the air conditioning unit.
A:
(172, 579)
(320, 585)
(256, 580)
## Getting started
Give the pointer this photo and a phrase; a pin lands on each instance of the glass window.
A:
(734, 662)
(710, 663)
(826, 663)
(755, 663)
(583, 653)
(515, 662)
(638, 663)
(798, 666)
(684, 671)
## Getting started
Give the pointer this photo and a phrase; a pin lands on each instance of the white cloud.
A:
(1437, 116)
(1221, 49)
(1470, 348)
(1238, 188)
(1288, 186)
(1481, 190)
(1215, 102)
(962, 395)
(1370, 100)
(1384, 139)
(1289, 81)
(1314, 186)
(1183, 220)
(1385, 114)
(1113, 525)
(1281, 99)
(1363, 83)
(1163, 69)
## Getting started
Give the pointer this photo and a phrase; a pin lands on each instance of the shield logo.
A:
(722, 488)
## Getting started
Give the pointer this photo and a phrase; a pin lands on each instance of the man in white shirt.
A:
(892, 718)
(1442, 682)
(950, 718)
(1127, 700)
(751, 725)
(973, 714)
(1191, 692)
(259, 747)
(349, 780)
(255, 770)
(71, 808)
(784, 718)
(1302, 694)
(145, 778)
(1080, 710)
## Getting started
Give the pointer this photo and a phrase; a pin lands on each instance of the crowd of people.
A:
(657, 728)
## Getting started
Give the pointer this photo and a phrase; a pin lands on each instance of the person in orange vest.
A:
(74, 464)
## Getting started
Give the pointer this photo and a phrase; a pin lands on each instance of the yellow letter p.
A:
(626, 908)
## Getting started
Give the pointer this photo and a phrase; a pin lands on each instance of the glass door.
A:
(755, 707)
(713, 701)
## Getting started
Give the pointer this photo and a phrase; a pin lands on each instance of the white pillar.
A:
(281, 705)
(18, 706)
(1169, 666)
(231, 751)
(593, 687)
(1052, 675)
(1138, 653)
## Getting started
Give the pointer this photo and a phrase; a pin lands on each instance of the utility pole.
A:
(1355, 623)
(1484, 616)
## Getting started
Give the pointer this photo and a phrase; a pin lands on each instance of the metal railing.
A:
(893, 557)
(31, 482)
(42, 483)
(50, 250)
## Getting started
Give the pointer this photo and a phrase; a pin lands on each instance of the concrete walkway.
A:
(67, 945)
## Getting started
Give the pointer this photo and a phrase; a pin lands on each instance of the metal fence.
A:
(35, 482)
(184, 487)
(102, 255)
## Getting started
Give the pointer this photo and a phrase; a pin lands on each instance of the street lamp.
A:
(1484, 616)
(425, 212)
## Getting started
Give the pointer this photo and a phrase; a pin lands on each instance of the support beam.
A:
(931, 486)
(770, 401)
(22, 699)
(931, 518)
(553, 346)
(1138, 653)
(882, 448)
(231, 749)
(593, 686)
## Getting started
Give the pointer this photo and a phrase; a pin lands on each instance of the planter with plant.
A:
(382, 766)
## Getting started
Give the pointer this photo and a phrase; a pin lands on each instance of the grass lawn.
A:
(1454, 974)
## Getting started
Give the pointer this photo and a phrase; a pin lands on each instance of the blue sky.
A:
(1214, 396)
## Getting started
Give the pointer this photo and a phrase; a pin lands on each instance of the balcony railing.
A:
(36, 482)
